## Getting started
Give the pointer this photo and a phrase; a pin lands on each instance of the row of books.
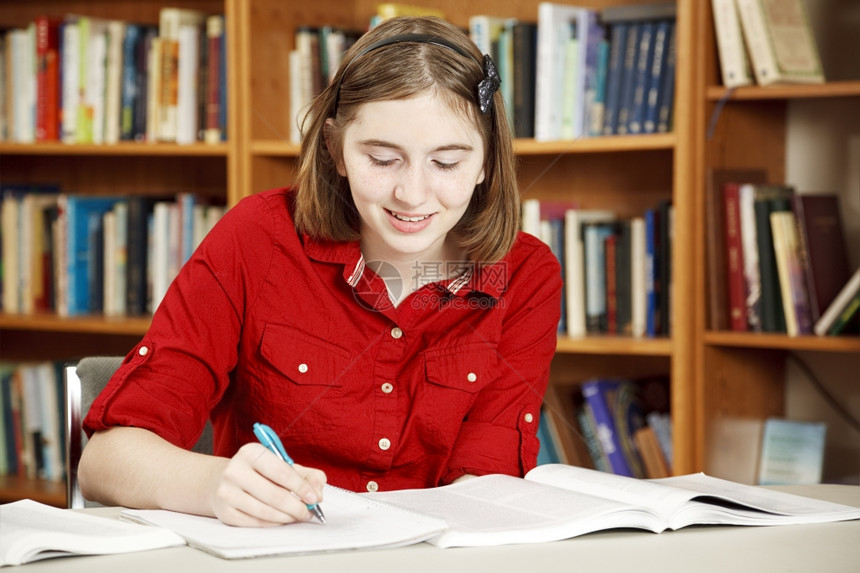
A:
(765, 42)
(32, 428)
(579, 72)
(784, 259)
(76, 254)
(616, 425)
(81, 79)
(617, 272)
(572, 72)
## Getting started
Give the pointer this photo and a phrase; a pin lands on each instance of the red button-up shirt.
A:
(265, 325)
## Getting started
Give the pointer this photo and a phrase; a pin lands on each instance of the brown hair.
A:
(324, 206)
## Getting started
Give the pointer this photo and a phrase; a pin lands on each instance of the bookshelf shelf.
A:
(126, 149)
(775, 92)
(836, 344)
(86, 324)
(13, 488)
(620, 143)
(615, 345)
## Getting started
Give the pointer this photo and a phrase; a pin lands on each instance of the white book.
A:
(109, 274)
(530, 221)
(780, 41)
(574, 264)
(170, 21)
(113, 80)
(160, 251)
(70, 92)
(835, 308)
(52, 433)
(189, 65)
(734, 62)
(749, 248)
(638, 280)
(556, 23)
(34, 531)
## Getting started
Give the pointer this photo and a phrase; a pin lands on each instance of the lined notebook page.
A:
(352, 522)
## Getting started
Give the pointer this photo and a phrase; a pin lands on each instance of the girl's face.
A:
(412, 167)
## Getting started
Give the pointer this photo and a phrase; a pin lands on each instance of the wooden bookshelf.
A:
(742, 375)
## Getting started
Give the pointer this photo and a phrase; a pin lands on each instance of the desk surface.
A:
(831, 547)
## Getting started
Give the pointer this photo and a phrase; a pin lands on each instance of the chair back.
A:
(83, 383)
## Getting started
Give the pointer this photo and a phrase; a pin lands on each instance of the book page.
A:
(762, 506)
(656, 495)
(352, 522)
(500, 509)
(30, 531)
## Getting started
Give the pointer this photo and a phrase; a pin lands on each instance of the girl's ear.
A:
(336, 156)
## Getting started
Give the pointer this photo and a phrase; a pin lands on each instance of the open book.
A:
(557, 501)
(30, 531)
(553, 502)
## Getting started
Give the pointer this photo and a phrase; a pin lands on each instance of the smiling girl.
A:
(384, 316)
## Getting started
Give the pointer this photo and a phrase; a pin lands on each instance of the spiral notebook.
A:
(353, 522)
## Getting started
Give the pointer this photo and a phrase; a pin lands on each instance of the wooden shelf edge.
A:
(123, 148)
(615, 345)
(839, 344)
(618, 143)
(786, 91)
(13, 488)
(136, 326)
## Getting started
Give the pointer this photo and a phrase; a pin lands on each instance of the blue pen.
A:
(270, 439)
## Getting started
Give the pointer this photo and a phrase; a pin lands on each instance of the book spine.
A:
(667, 89)
(845, 317)
(47, 79)
(525, 78)
(644, 59)
(734, 257)
(595, 394)
(851, 287)
(655, 78)
(617, 50)
(628, 79)
(749, 245)
(734, 64)
(772, 315)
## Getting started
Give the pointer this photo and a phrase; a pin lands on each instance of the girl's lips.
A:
(405, 223)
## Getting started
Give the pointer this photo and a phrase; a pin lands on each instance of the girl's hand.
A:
(258, 489)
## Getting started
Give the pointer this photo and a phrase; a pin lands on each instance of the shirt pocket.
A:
(467, 367)
(305, 359)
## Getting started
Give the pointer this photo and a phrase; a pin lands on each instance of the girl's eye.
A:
(381, 162)
(446, 166)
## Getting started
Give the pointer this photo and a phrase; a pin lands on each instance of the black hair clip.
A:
(488, 86)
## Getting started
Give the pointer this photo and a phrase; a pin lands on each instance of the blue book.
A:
(652, 265)
(628, 78)
(600, 395)
(655, 77)
(548, 452)
(597, 110)
(594, 242)
(129, 93)
(614, 75)
(78, 211)
(667, 90)
(644, 57)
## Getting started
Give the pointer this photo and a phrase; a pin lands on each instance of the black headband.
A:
(486, 88)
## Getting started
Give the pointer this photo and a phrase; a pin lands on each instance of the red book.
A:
(611, 286)
(734, 257)
(47, 79)
(215, 38)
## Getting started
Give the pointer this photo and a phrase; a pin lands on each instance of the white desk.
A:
(830, 547)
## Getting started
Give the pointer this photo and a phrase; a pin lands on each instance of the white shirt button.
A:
(471, 377)
(384, 444)
(396, 333)
(529, 418)
(372, 486)
(387, 388)
(303, 367)
(143, 351)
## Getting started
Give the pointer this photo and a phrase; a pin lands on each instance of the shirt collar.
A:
(491, 279)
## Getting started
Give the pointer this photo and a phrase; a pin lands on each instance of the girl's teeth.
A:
(409, 219)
